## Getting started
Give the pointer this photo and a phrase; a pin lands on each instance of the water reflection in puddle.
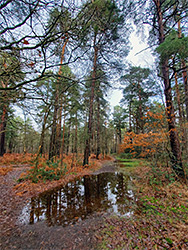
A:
(106, 192)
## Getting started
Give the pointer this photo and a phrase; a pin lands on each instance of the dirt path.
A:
(39, 235)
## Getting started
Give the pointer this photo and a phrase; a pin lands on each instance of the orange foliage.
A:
(71, 164)
(5, 170)
(14, 158)
(92, 156)
(154, 121)
(147, 143)
(73, 168)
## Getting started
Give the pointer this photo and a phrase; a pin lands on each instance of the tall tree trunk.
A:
(130, 114)
(61, 99)
(89, 130)
(178, 99)
(106, 141)
(56, 126)
(2, 130)
(72, 137)
(3, 119)
(68, 139)
(52, 148)
(174, 140)
(119, 133)
(63, 139)
(41, 142)
(98, 129)
(76, 137)
(140, 109)
(25, 132)
(116, 141)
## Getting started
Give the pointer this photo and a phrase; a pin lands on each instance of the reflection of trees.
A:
(82, 197)
(125, 196)
(31, 220)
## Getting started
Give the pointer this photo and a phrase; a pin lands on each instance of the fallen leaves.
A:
(161, 221)
(14, 158)
(4, 170)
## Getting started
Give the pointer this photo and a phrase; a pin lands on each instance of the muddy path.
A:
(81, 235)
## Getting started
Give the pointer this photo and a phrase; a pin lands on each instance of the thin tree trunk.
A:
(119, 133)
(140, 108)
(98, 129)
(72, 145)
(106, 140)
(58, 129)
(52, 149)
(116, 141)
(41, 142)
(68, 139)
(63, 139)
(174, 140)
(130, 114)
(76, 137)
(3, 120)
(178, 99)
(89, 130)
(25, 131)
(2, 130)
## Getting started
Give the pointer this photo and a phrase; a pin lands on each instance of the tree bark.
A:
(98, 129)
(2, 130)
(68, 139)
(3, 121)
(89, 130)
(178, 99)
(52, 148)
(41, 143)
(184, 73)
(76, 137)
(56, 126)
(63, 139)
(130, 114)
(176, 157)
(140, 109)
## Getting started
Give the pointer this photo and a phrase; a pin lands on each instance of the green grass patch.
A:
(130, 163)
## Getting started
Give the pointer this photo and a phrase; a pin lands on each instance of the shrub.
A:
(48, 170)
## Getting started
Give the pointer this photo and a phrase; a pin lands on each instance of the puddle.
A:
(105, 192)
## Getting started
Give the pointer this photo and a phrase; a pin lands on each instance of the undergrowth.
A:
(161, 218)
(14, 158)
(48, 170)
(43, 169)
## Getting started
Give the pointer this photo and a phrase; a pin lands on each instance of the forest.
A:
(60, 63)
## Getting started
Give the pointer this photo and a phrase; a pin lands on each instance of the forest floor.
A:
(14, 196)
(160, 222)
